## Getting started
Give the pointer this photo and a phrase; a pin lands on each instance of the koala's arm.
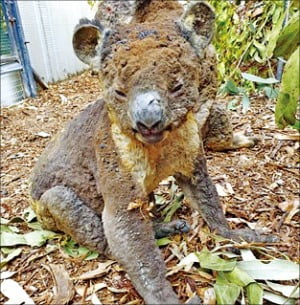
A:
(130, 237)
(132, 244)
(204, 197)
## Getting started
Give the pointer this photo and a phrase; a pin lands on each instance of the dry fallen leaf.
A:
(83, 290)
(95, 300)
(15, 293)
(43, 134)
(276, 184)
(290, 137)
(291, 207)
(245, 162)
(102, 269)
(117, 290)
(251, 201)
(7, 274)
(64, 290)
(224, 189)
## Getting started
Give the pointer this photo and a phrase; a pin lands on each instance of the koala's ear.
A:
(87, 40)
(197, 24)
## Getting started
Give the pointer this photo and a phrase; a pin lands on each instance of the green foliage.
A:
(238, 279)
(288, 101)
(250, 38)
(289, 39)
(230, 284)
(163, 241)
(170, 210)
(76, 251)
(246, 37)
(227, 293)
(212, 261)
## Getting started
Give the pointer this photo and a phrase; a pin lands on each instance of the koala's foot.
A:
(232, 142)
(239, 140)
(62, 207)
(247, 235)
(218, 134)
(170, 228)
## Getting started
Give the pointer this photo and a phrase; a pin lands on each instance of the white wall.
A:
(48, 27)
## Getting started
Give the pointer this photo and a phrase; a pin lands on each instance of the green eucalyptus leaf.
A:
(254, 294)
(15, 253)
(35, 226)
(245, 103)
(163, 241)
(231, 88)
(238, 277)
(4, 221)
(29, 214)
(289, 39)
(227, 293)
(288, 100)
(33, 239)
(38, 238)
(286, 290)
(5, 228)
(212, 261)
(6, 250)
(261, 49)
(277, 299)
(274, 37)
(92, 255)
(276, 269)
(74, 250)
(170, 210)
(270, 92)
(9, 239)
(221, 278)
(232, 105)
(258, 79)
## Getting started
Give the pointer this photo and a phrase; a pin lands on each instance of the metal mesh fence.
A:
(12, 89)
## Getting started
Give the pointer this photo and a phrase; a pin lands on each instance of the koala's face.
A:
(151, 80)
(152, 75)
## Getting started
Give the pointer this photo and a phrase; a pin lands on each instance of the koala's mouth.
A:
(150, 136)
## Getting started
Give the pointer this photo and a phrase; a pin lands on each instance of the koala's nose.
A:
(148, 112)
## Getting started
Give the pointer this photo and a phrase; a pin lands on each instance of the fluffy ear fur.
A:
(197, 25)
(87, 40)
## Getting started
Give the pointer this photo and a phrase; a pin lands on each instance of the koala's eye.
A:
(177, 88)
(120, 93)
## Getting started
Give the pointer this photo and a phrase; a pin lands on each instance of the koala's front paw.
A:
(249, 236)
(241, 140)
(171, 228)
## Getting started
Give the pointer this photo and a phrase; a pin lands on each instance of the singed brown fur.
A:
(99, 164)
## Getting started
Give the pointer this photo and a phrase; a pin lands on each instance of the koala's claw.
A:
(171, 228)
(181, 226)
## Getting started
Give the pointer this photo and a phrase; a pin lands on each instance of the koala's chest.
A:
(149, 164)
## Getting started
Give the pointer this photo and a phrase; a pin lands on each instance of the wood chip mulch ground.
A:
(258, 187)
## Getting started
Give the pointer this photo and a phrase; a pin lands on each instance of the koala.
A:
(159, 81)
